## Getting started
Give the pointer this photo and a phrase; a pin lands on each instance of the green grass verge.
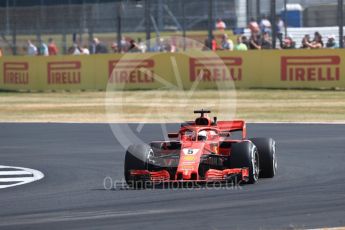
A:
(173, 106)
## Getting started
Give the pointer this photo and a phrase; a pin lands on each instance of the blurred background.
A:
(113, 22)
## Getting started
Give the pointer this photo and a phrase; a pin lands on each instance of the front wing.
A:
(211, 175)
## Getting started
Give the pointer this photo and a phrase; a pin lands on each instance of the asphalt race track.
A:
(308, 192)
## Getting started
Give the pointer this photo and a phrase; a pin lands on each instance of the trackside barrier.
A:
(251, 69)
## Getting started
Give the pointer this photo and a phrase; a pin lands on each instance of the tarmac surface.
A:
(81, 161)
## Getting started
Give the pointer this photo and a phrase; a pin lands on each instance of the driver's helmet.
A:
(202, 135)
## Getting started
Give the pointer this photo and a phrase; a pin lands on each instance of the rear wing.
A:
(233, 126)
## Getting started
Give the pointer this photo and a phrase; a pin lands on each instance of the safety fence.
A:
(190, 70)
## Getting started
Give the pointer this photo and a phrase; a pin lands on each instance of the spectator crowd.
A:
(259, 38)
(98, 47)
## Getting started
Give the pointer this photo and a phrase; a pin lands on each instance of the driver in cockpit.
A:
(202, 135)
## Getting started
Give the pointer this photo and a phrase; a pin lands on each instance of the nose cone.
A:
(189, 161)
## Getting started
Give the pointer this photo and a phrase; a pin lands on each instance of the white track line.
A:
(36, 175)
(2, 173)
(19, 179)
(337, 228)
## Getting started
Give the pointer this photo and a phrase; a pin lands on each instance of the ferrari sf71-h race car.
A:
(203, 150)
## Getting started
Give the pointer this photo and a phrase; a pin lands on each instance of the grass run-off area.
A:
(173, 106)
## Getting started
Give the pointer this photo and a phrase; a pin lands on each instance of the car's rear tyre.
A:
(136, 159)
(267, 155)
(245, 155)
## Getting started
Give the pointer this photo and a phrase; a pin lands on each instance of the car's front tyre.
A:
(245, 155)
(267, 155)
(136, 159)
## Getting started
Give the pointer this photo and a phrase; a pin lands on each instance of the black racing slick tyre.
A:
(267, 155)
(136, 159)
(245, 155)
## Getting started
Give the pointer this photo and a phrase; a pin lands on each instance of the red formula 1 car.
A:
(203, 150)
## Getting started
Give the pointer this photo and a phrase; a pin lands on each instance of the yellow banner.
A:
(196, 69)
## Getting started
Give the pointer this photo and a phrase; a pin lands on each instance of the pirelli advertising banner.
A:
(46, 73)
(197, 69)
(304, 69)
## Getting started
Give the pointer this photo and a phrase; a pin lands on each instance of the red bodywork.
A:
(193, 150)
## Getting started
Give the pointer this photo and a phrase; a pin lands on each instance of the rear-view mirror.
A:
(173, 135)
